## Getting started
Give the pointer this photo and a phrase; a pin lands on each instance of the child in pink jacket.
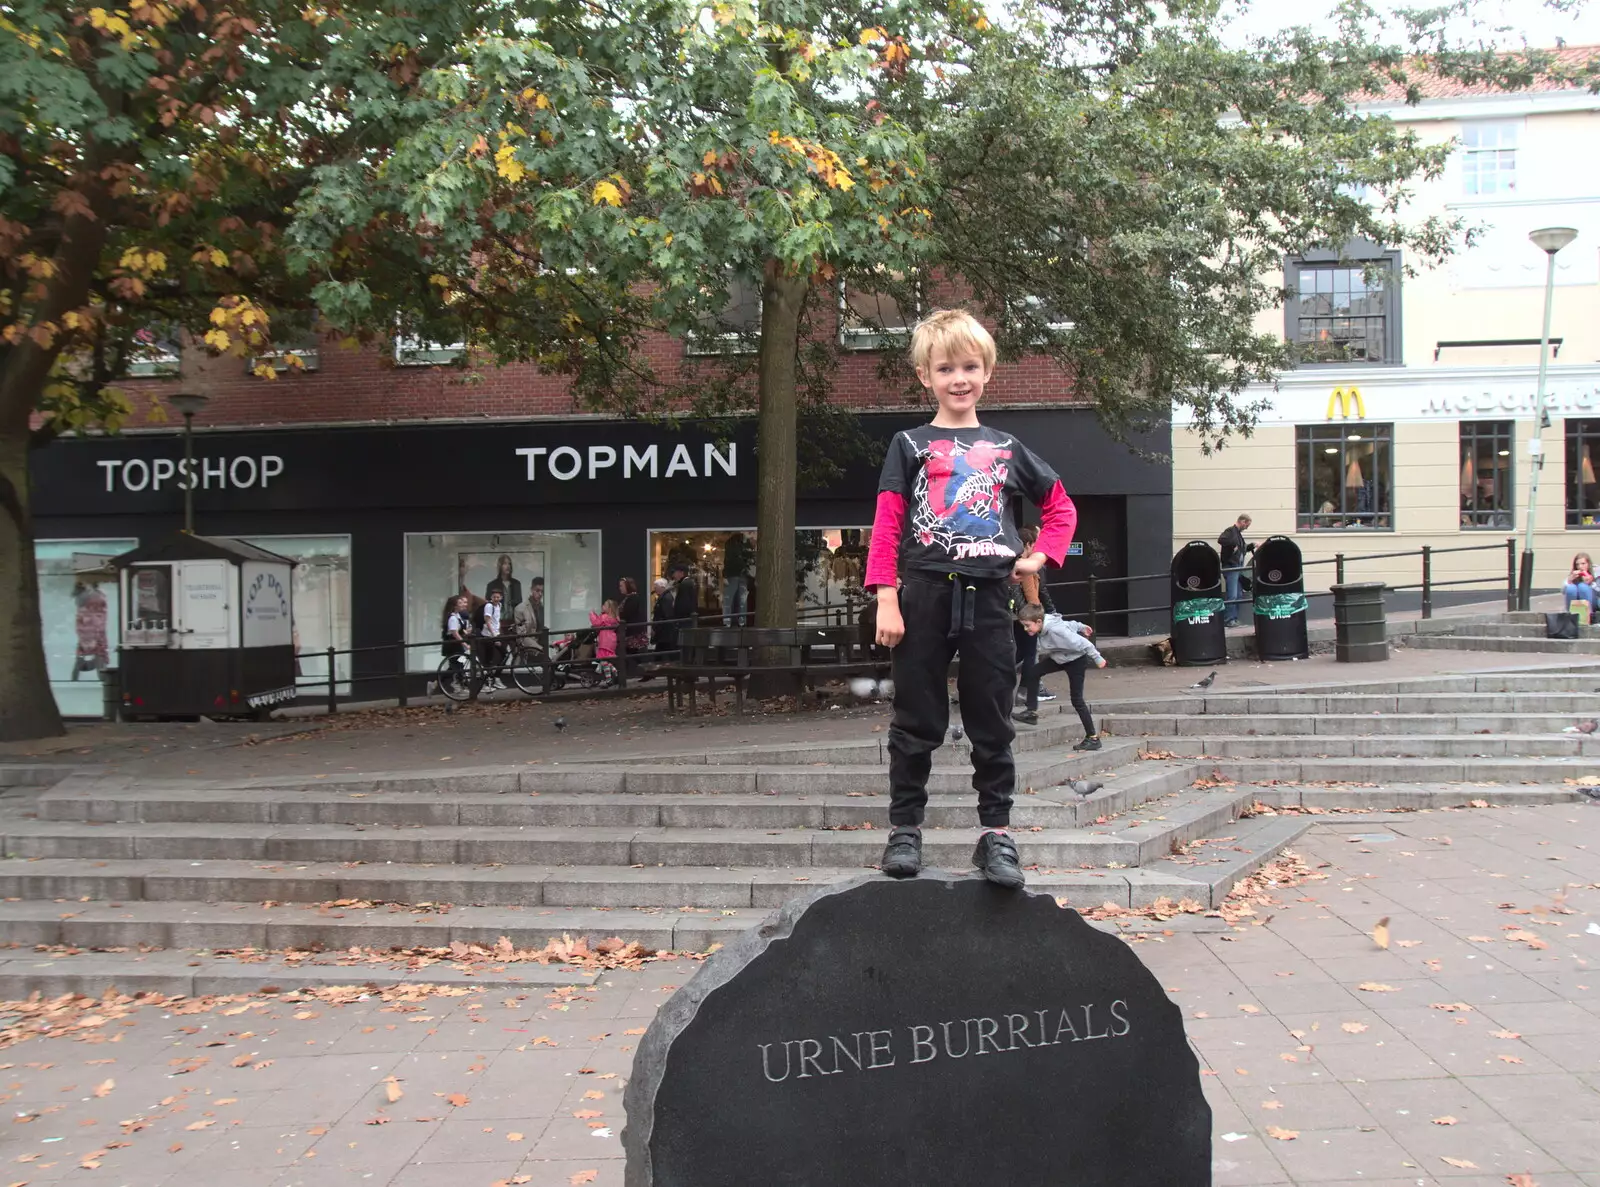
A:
(605, 646)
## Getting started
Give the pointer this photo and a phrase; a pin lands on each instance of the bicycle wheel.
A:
(527, 673)
(458, 676)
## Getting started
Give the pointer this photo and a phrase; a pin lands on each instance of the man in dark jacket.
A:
(1234, 550)
(666, 632)
(686, 598)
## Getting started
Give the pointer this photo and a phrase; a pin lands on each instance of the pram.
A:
(572, 659)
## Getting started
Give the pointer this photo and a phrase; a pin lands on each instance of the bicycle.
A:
(462, 677)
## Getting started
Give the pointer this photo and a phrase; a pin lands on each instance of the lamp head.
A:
(1552, 239)
(188, 403)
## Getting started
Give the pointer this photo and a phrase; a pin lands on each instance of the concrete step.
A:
(1124, 725)
(1047, 735)
(1545, 774)
(951, 774)
(1529, 644)
(1507, 630)
(1234, 702)
(1404, 745)
(766, 848)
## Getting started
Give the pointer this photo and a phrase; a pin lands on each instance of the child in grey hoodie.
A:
(1064, 646)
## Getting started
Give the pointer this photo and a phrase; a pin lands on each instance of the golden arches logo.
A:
(1343, 398)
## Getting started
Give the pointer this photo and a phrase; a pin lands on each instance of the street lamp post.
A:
(188, 403)
(1549, 240)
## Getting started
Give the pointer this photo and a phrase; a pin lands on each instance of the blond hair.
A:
(948, 331)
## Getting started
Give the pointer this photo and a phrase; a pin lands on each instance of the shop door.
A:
(203, 608)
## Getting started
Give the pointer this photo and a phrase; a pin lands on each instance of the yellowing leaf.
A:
(584, 1177)
(1380, 933)
(392, 1089)
(457, 1100)
(594, 1095)
(1376, 987)
(607, 194)
(513, 1137)
(1444, 1120)
(104, 1089)
(507, 165)
(1354, 1028)
(1462, 1163)
(1283, 1135)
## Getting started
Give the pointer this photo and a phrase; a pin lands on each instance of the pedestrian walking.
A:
(605, 640)
(1234, 550)
(946, 514)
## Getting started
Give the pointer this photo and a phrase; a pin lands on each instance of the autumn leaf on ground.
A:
(1444, 1120)
(585, 1114)
(1376, 987)
(1461, 1163)
(638, 1030)
(1508, 1059)
(513, 1137)
(200, 1125)
(392, 1089)
(1451, 1007)
(1249, 1009)
(174, 1148)
(1522, 1180)
(1283, 1135)
(1505, 1034)
(584, 1177)
(1354, 1028)
(104, 1089)
(1272, 1104)
(1380, 933)
(455, 1100)
(592, 1094)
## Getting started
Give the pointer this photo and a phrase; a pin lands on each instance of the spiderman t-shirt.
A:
(952, 492)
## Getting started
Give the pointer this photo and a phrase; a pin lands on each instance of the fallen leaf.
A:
(513, 1137)
(174, 1148)
(592, 1094)
(1462, 1163)
(638, 1030)
(1508, 1059)
(1376, 987)
(1354, 1028)
(458, 1100)
(1451, 1007)
(1272, 1104)
(1283, 1135)
(1249, 1009)
(1522, 1180)
(193, 1125)
(392, 1089)
(584, 1177)
(1505, 1034)
(1444, 1120)
(585, 1114)
(104, 1089)
(1380, 933)
(378, 1120)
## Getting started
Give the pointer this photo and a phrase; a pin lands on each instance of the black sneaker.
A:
(1026, 716)
(902, 856)
(1092, 742)
(996, 856)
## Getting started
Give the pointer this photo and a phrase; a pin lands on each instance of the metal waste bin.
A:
(110, 694)
(1360, 633)
(1198, 607)
(1279, 600)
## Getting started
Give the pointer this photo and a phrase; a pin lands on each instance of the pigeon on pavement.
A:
(1087, 787)
(560, 724)
(1206, 683)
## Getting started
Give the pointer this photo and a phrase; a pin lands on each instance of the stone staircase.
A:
(1517, 631)
(201, 887)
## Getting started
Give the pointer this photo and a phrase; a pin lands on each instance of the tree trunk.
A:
(776, 465)
(27, 707)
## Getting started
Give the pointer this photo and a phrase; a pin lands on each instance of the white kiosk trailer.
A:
(207, 629)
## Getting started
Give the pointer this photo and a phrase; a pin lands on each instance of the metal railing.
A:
(1093, 586)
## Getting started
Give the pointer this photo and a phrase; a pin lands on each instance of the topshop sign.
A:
(222, 473)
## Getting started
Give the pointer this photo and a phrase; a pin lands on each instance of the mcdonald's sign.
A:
(1343, 398)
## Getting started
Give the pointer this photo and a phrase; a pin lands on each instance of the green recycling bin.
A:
(1279, 589)
(1198, 606)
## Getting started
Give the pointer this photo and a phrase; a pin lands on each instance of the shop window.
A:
(738, 329)
(1343, 311)
(1583, 493)
(154, 353)
(302, 354)
(440, 566)
(873, 320)
(829, 566)
(1489, 159)
(1486, 474)
(414, 350)
(81, 616)
(1344, 476)
(321, 586)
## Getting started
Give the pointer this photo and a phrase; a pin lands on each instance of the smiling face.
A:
(956, 376)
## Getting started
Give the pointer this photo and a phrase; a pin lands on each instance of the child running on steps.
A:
(1064, 646)
(946, 527)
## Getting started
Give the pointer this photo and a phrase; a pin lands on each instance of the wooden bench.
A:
(738, 653)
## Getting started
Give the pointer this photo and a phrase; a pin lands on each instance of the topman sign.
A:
(566, 463)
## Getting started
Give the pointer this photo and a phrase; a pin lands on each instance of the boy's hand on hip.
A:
(1028, 565)
(891, 627)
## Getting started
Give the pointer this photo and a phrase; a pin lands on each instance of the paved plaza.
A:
(1467, 1052)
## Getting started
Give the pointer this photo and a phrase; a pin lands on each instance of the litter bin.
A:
(1198, 607)
(1360, 634)
(1279, 600)
(110, 694)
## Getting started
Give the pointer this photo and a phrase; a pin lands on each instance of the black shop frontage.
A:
(384, 523)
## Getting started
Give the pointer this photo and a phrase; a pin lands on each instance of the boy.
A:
(493, 652)
(945, 513)
(1063, 647)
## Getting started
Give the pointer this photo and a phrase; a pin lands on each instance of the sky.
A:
(1539, 24)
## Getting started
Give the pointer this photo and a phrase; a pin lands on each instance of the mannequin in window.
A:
(510, 588)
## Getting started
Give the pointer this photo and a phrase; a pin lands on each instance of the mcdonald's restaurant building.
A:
(1389, 461)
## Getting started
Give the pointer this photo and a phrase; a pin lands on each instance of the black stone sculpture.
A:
(941, 1032)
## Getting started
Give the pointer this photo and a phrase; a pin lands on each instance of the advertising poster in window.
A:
(442, 565)
(320, 616)
(81, 613)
